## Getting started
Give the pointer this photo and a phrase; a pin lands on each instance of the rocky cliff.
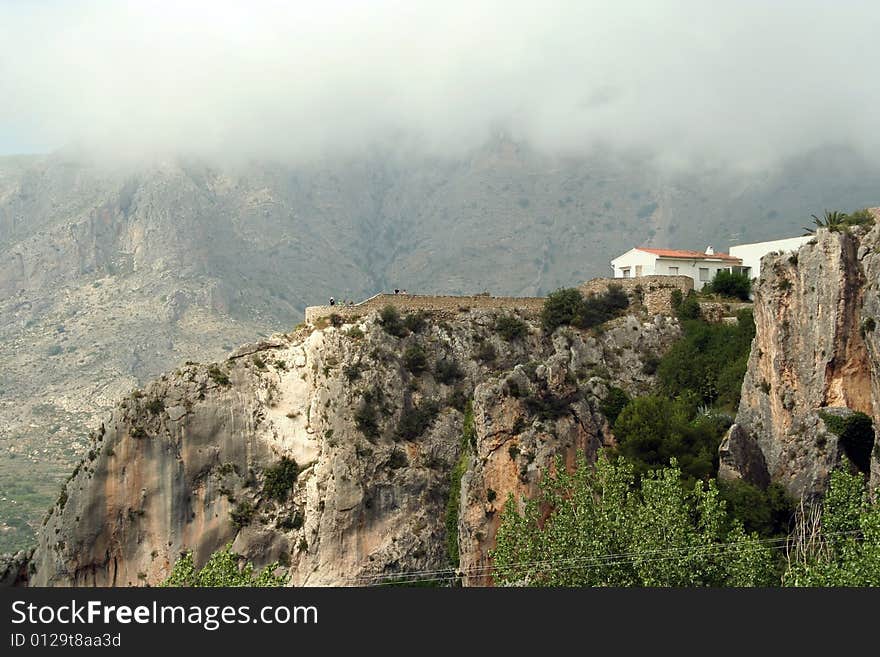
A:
(816, 355)
(110, 276)
(334, 450)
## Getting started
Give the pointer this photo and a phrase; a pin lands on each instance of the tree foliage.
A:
(837, 544)
(835, 220)
(568, 307)
(709, 361)
(731, 284)
(651, 430)
(614, 402)
(856, 434)
(510, 328)
(224, 568)
(279, 478)
(600, 526)
(686, 307)
(604, 529)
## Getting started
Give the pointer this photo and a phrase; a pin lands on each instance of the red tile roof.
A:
(689, 255)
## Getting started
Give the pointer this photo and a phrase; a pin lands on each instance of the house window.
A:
(638, 270)
(625, 272)
(673, 271)
(704, 274)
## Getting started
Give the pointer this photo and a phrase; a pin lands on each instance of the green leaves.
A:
(568, 306)
(222, 569)
(605, 530)
(838, 545)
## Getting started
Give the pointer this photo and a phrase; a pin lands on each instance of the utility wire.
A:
(614, 559)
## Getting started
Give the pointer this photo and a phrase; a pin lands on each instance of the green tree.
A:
(605, 529)
(222, 569)
(710, 361)
(651, 430)
(561, 308)
(731, 284)
(837, 544)
(687, 307)
(614, 402)
(569, 307)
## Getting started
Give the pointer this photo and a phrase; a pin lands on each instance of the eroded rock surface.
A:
(375, 427)
(816, 348)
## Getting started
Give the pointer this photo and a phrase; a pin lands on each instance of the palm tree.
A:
(832, 220)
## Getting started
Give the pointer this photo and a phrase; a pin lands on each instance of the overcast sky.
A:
(734, 81)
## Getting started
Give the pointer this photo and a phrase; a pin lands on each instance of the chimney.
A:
(710, 250)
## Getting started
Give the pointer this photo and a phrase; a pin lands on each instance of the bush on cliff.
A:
(709, 360)
(731, 284)
(390, 320)
(651, 430)
(568, 306)
(279, 478)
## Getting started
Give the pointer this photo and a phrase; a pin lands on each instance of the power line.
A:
(614, 559)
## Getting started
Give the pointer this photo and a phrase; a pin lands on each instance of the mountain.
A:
(334, 450)
(111, 276)
(371, 449)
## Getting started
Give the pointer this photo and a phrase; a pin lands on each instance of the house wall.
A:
(751, 254)
(632, 259)
(691, 268)
(661, 266)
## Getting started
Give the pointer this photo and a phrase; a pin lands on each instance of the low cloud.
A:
(737, 83)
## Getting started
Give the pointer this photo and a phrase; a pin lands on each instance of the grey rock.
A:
(371, 505)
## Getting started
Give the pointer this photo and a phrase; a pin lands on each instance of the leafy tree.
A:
(569, 307)
(447, 371)
(279, 478)
(687, 307)
(222, 569)
(731, 284)
(837, 544)
(561, 308)
(416, 321)
(414, 359)
(604, 529)
(510, 328)
(651, 430)
(856, 433)
(615, 401)
(768, 512)
(390, 320)
(709, 361)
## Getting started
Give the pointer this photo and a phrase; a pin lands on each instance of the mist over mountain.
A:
(209, 169)
(110, 277)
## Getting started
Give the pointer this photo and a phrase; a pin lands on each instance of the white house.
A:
(751, 254)
(702, 267)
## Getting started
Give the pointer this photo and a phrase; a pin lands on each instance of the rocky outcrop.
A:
(815, 348)
(201, 457)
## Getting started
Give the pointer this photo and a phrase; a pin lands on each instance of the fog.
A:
(684, 83)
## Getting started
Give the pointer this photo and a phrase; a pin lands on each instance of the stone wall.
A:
(447, 305)
(655, 292)
(720, 311)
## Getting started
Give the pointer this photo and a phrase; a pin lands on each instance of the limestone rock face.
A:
(816, 347)
(375, 428)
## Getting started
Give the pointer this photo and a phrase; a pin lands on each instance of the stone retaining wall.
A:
(655, 292)
(447, 305)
